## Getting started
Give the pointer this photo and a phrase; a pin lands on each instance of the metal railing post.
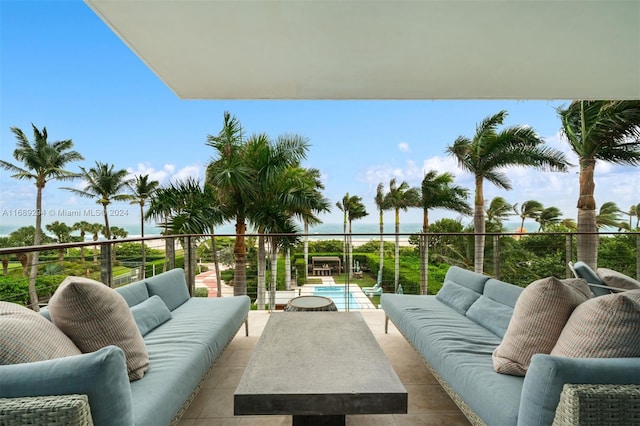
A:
(106, 264)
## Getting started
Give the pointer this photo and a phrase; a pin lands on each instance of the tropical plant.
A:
(490, 151)
(382, 205)
(599, 130)
(438, 192)
(400, 197)
(549, 216)
(609, 216)
(498, 211)
(235, 176)
(42, 161)
(96, 230)
(141, 190)
(105, 184)
(83, 227)
(530, 209)
(62, 231)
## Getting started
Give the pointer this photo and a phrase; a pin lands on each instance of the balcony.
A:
(118, 262)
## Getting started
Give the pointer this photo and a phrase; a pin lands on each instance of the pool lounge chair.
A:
(376, 290)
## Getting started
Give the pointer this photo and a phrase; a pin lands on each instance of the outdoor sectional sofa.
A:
(457, 331)
(192, 333)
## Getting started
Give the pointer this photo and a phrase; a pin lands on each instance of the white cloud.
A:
(404, 147)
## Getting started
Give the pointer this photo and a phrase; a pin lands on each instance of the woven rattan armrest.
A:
(587, 404)
(72, 410)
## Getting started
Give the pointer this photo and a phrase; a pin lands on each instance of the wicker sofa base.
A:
(591, 405)
(69, 410)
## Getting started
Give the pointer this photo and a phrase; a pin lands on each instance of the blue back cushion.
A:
(134, 293)
(171, 286)
(456, 296)
(466, 278)
(493, 310)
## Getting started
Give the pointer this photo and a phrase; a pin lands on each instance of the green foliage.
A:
(133, 252)
(16, 289)
(618, 252)
(373, 246)
(201, 292)
(326, 246)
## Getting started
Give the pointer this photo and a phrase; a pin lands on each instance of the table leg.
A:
(335, 420)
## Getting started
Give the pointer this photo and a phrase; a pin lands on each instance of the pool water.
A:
(337, 294)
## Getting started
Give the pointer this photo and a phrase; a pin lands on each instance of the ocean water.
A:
(372, 229)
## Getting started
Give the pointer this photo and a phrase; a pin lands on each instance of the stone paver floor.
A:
(428, 402)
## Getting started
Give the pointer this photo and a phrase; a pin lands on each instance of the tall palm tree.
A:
(236, 176)
(62, 231)
(105, 184)
(83, 227)
(382, 205)
(308, 216)
(141, 190)
(438, 192)
(42, 161)
(634, 211)
(530, 209)
(549, 216)
(400, 197)
(348, 203)
(491, 150)
(598, 130)
(161, 204)
(357, 211)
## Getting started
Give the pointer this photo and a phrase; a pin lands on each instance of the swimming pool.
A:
(338, 295)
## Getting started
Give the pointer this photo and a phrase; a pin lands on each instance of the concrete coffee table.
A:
(318, 367)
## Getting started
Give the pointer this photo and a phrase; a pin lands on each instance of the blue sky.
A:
(63, 68)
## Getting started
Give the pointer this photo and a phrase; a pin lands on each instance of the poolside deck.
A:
(428, 402)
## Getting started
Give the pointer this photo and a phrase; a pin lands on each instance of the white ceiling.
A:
(385, 49)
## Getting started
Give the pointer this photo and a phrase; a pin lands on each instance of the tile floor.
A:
(428, 403)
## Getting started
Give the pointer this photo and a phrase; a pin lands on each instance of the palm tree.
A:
(598, 130)
(609, 215)
(141, 190)
(160, 206)
(400, 198)
(491, 150)
(498, 211)
(357, 211)
(348, 203)
(549, 216)
(382, 204)
(95, 229)
(105, 184)
(530, 209)
(634, 211)
(438, 191)
(62, 231)
(83, 226)
(42, 161)
(308, 216)
(236, 176)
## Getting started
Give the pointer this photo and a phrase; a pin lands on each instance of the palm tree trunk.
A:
(287, 269)
(143, 266)
(396, 276)
(261, 271)
(274, 275)
(587, 243)
(240, 254)
(424, 251)
(350, 250)
(344, 241)
(381, 249)
(33, 295)
(479, 226)
(5, 266)
(306, 251)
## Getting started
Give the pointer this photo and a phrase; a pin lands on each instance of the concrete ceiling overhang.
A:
(365, 49)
